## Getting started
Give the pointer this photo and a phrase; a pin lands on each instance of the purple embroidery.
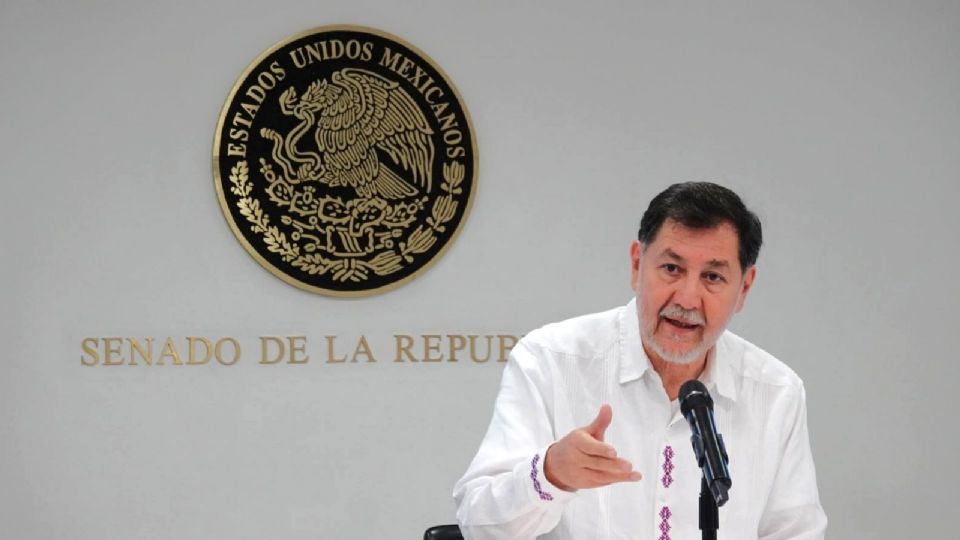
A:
(665, 522)
(667, 466)
(544, 496)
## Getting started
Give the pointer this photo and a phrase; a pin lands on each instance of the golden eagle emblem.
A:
(356, 117)
(345, 161)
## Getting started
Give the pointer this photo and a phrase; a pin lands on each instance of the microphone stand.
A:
(694, 395)
(709, 513)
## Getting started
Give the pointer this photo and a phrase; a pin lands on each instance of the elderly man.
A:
(556, 464)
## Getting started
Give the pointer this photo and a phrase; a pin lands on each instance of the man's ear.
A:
(745, 288)
(636, 255)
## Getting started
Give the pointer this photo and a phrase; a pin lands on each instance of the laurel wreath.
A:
(384, 263)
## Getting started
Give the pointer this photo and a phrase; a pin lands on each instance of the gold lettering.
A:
(405, 66)
(313, 53)
(145, 355)
(353, 49)
(217, 353)
(298, 345)
(418, 74)
(331, 354)
(275, 349)
(266, 80)
(423, 88)
(237, 150)
(403, 345)
(89, 346)
(431, 91)
(328, 50)
(278, 71)
(504, 348)
(169, 351)
(390, 59)
(438, 108)
(448, 122)
(256, 93)
(239, 119)
(336, 49)
(452, 137)
(238, 134)
(264, 347)
(250, 108)
(299, 59)
(457, 343)
(431, 344)
(109, 351)
(192, 359)
(363, 348)
(473, 349)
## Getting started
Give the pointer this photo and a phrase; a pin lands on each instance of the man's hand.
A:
(583, 460)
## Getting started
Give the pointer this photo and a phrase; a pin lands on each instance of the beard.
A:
(679, 354)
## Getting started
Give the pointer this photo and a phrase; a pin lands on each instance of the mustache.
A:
(686, 316)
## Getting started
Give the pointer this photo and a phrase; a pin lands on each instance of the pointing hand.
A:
(582, 460)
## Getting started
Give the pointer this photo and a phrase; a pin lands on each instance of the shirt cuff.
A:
(541, 491)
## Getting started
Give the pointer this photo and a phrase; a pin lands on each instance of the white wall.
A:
(838, 122)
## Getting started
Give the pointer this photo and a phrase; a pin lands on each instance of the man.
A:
(587, 440)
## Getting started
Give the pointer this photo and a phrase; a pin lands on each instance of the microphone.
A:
(697, 406)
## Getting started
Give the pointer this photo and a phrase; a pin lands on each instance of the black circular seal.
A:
(344, 161)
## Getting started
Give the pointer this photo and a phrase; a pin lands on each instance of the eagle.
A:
(358, 117)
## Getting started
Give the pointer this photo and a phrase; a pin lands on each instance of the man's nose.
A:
(688, 294)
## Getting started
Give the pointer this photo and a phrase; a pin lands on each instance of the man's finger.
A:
(587, 444)
(599, 425)
(607, 465)
(600, 479)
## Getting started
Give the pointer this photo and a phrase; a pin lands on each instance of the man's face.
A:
(688, 284)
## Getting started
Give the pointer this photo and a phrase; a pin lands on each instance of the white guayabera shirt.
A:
(557, 379)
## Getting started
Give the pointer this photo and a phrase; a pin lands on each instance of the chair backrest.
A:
(443, 532)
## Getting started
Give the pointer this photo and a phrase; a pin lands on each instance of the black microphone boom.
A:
(697, 407)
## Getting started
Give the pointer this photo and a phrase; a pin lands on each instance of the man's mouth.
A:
(681, 324)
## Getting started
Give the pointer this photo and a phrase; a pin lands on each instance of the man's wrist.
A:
(549, 474)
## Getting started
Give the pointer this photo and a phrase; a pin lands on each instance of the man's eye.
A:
(671, 268)
(714, 277)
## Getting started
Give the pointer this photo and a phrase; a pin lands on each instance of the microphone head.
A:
(694, 393)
